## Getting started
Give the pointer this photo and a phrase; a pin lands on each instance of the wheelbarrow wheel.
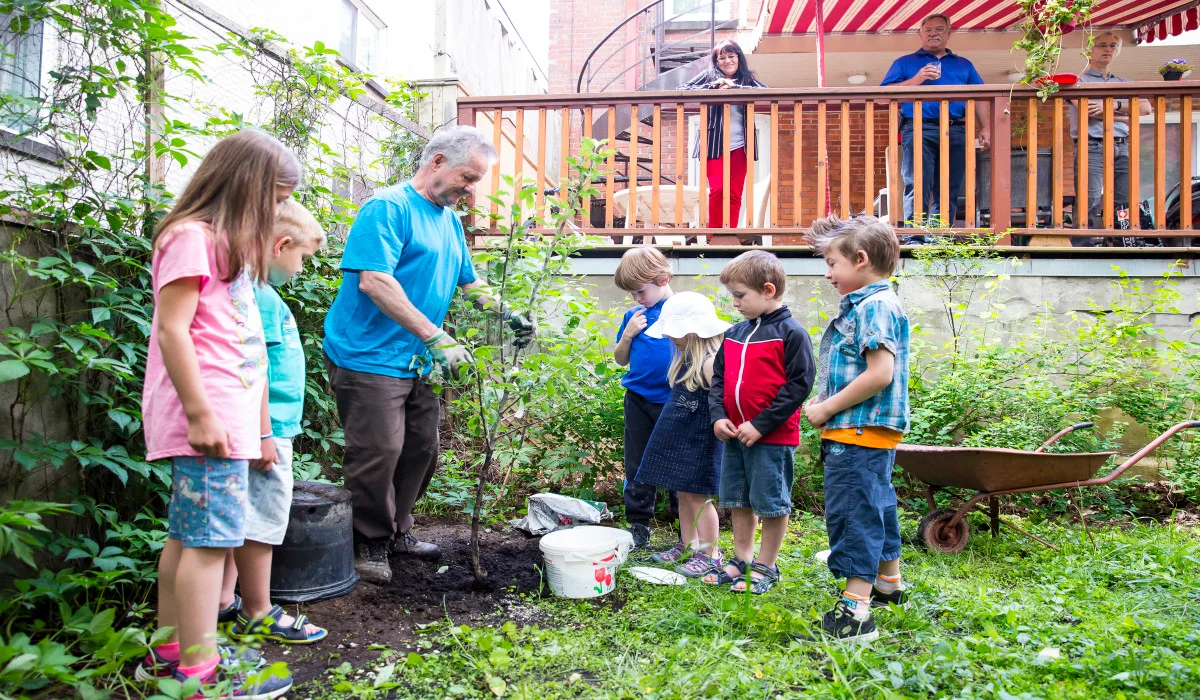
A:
(937, 534)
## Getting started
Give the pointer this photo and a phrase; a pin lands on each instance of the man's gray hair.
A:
(937, 15)
(458, 144)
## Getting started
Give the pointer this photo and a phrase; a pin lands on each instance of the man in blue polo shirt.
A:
(405, 256)
(934, 64)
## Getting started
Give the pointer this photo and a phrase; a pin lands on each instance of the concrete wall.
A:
(1054, 286)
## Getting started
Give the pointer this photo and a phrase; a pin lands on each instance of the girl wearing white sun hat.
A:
(683, 455)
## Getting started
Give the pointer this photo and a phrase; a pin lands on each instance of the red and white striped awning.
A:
(1160, 18)
(1177, 23)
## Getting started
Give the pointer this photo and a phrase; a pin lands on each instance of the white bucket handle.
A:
(591, 556)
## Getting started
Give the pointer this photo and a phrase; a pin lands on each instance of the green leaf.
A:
(12, 369)
(496, 684)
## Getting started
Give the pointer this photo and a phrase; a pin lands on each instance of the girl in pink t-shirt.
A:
(204, 401)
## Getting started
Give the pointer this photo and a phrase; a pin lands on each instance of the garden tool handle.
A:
(1066, 431)
(1144, 452)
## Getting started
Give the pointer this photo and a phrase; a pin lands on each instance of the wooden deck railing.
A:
(646, 184)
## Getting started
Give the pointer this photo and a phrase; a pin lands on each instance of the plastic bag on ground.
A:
(547, 512)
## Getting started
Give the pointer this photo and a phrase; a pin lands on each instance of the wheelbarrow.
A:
(994, 472)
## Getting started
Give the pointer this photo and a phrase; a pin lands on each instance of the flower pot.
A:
(1065, 27)
(1173, 75)
(316, 559)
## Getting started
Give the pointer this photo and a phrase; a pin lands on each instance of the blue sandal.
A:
(268, 627)
(758, 586)
(723, 577)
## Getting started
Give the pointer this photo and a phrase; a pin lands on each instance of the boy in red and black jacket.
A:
(761, 376)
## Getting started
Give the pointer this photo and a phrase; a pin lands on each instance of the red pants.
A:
(716, 188)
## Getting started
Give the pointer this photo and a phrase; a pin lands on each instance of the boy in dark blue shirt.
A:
(646, 275)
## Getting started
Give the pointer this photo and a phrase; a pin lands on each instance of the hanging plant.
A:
(1042, 29)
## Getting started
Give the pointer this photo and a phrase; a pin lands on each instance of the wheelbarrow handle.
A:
(1144, 452)
(1067, 431)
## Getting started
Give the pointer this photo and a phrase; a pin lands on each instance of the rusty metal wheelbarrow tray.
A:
(995, 472)
(996, 469)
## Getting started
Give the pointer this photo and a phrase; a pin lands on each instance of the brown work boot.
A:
(405, 543)
(372, 562)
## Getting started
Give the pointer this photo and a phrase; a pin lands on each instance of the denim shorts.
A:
(208, 501)
(269, 501)
(757, 477)
(860, 509)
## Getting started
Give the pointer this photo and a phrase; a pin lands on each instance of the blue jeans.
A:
(860, 509)
(757, 477)
(931, 171)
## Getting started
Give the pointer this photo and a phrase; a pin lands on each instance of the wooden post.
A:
(1056, 171)
(1001, 165)
(681, 164)
(1135, 165)
(896, 183)
(919, 162)
(498, 143)
(655, 164)
(869, 160)
(748, 199)
(564, 175)
(1160, 162)
(797, 161)
(822, 160)
(585, 202)
(726, 201)
(969, 217)
(1185, 163)
(1082, 209)
(944, 203)
(631, 170)
(611, 166)
(1107, 210)
(844, 150)
(541, 163)
(1031, 149)
(774, 193)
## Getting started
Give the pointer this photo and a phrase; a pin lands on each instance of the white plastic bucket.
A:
(582, 562)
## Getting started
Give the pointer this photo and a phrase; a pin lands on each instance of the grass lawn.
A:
(1006, 618)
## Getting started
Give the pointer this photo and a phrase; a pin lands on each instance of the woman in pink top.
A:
(204, 400)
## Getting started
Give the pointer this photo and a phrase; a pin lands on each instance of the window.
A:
(20, 70)
(697, 10)
(361, 38)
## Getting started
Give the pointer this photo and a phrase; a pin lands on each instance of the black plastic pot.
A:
(316, 559)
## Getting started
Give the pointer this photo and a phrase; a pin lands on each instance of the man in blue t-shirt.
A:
(934, 64)
(404, 257)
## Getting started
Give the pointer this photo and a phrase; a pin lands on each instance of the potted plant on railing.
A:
(1044, 24)
(1175, 69)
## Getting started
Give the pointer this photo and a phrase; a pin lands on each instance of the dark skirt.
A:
(683, 454)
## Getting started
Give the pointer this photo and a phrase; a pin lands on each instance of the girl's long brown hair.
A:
(233, 190)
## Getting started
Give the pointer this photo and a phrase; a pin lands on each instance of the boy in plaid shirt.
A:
(862, 411)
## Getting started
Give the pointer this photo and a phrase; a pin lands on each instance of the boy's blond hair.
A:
(756, 269)
(299, 223)
(639, 266)
(866, 233)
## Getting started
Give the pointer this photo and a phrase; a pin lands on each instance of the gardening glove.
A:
(449, 354)
(522, 327)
